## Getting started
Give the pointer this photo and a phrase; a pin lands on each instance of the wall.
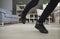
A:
(6, 4)
(0, 3)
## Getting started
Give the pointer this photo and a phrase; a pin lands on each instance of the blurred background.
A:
(12, 28)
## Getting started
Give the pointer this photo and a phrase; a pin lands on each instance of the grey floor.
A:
(27, 31)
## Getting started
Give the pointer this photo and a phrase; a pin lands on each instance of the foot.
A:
(23, 20)
(41, 28)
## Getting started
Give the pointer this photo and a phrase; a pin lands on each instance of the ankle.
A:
(39, 22)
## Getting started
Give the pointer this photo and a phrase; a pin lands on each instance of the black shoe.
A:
(23, 20)
(41, 28)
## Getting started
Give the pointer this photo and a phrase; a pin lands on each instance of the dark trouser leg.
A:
(28, 7)
(26, 10)
(50, 7)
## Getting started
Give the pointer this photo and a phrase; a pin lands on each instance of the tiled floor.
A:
(27, 31)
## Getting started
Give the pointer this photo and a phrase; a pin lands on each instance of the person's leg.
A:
(50, 7)
(26, 10)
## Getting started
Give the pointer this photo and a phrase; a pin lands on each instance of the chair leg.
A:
(2, 23)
